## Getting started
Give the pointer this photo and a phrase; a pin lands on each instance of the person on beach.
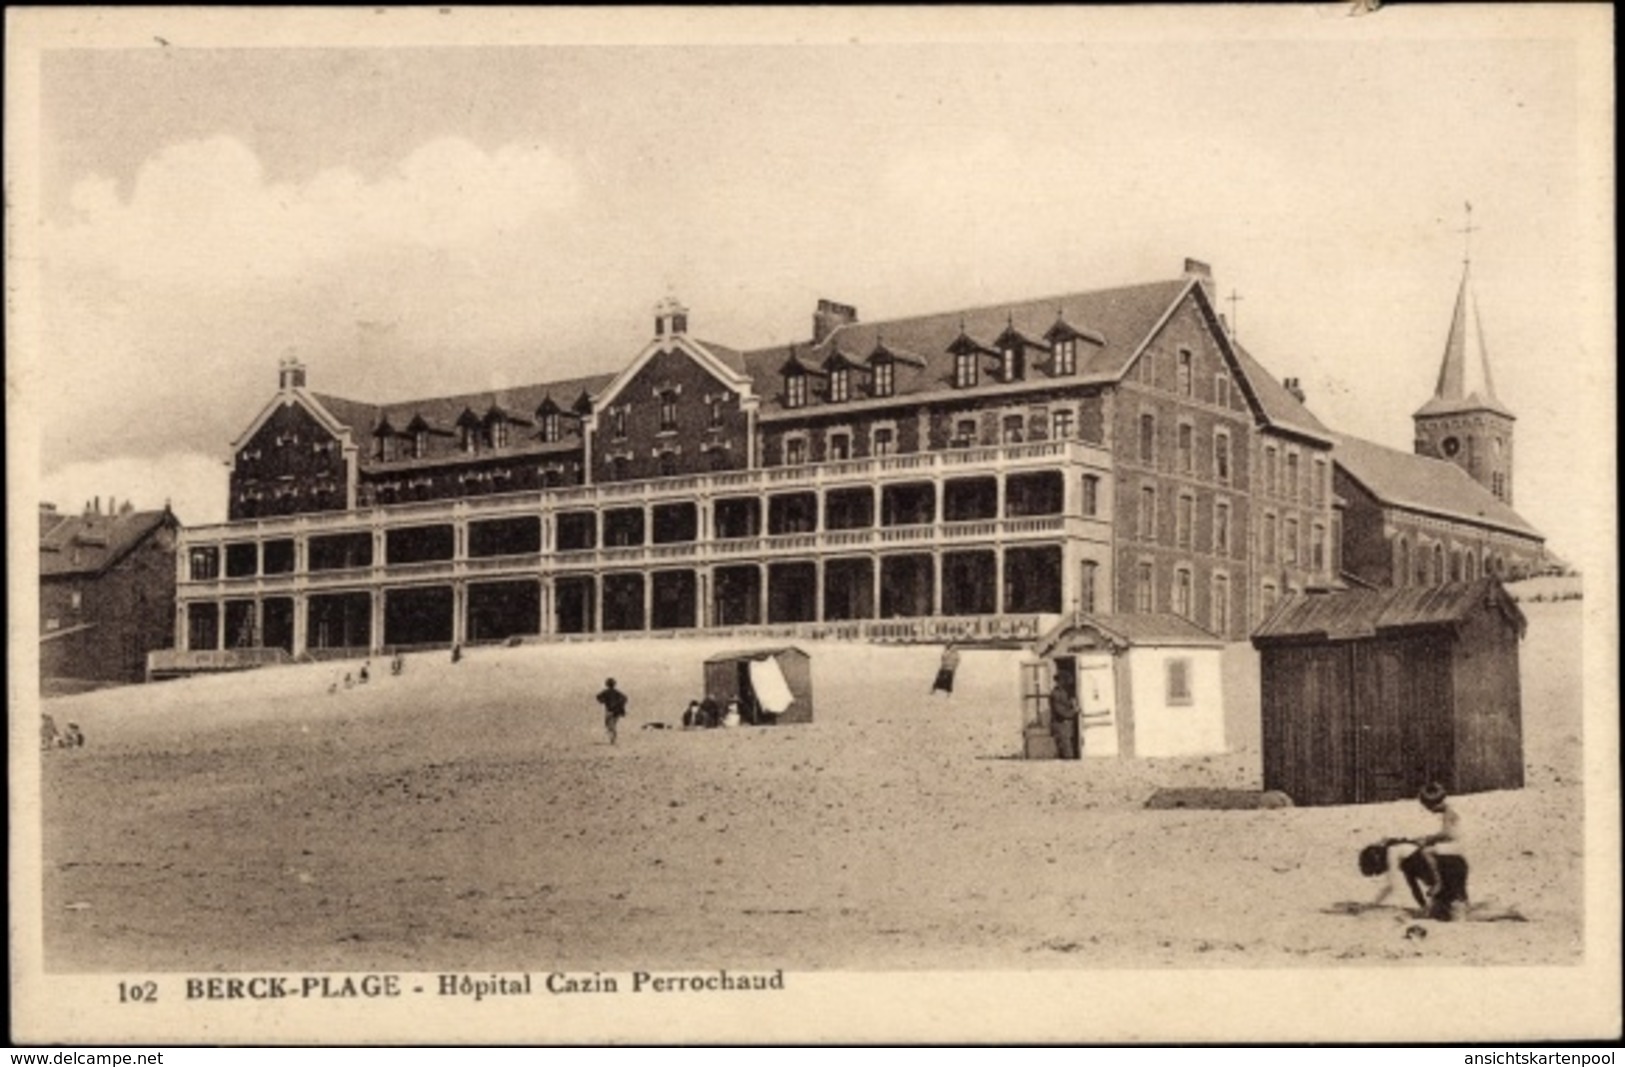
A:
(614, 702)
(1448, 855)
(945, 671)
(691, 715)
(1400, 861)
(710, 713)
(1063, 721)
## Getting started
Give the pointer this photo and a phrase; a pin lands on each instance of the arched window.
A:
(1455, 564)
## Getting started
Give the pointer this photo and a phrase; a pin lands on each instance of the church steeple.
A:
(1464, 422)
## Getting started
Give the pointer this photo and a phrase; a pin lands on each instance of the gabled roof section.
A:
(722, 363)
(1280, 408)
(1123, 631)
(1359, 613)
(1423, 484)
(1119, 321)
(98, 541)
(336, 415)
(882, 352)
(1464, 373)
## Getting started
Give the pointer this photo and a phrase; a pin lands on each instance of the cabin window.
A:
(1065, 354)
(840, 385)
(964, 369)
(1179, 680)
(795, 390)
(885, 378)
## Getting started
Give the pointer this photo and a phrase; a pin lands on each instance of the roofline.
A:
(1472, 520)
(713, 364)
(161, 519)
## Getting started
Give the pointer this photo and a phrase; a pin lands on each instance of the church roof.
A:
(1421, 483)
(1464, 374)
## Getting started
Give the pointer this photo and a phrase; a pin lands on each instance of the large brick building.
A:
(971, 473)
(107, 592)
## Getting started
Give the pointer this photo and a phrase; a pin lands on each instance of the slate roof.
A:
(1357, 613)
(90, 544)
(1421, 483)
(1281, 408)
(1123, 317)
(1464, 381)
(441, 415)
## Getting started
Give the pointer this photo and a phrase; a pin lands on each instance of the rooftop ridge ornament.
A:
(1467, 232)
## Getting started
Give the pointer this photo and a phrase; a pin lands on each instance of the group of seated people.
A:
(707, 713)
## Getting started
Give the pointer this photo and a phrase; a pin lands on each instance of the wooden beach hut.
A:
(763, 680)
(1368, 695)
(1148, 685)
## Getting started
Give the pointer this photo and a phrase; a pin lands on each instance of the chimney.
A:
(1195, 268)
(829, 317)
(291, 374)
(1293, 386)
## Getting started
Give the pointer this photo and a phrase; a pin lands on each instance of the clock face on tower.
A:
(1450, 445)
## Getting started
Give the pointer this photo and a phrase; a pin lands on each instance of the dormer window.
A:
(795, 390)
(468, 439)
(550, 427)
(386, 446)
(965, 369)
(420, 444)
(1064, 353)
(499, 433)
(1010, 362)
(885, 379)
(840, 385)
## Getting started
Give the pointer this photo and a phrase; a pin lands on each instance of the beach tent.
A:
(1368, 695)
(1147, 684)
(772, 685)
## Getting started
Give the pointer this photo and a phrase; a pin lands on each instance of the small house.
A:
(772, 685)
(1368, 695)
(1148, 684)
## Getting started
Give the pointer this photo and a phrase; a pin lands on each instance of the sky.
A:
(432, 220)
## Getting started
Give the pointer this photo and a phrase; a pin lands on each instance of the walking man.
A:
(614, 702)
(1063, 721)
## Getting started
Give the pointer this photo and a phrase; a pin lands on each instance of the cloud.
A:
(202, 214)
(194, 485)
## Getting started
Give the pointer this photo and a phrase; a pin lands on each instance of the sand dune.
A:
(472, 816)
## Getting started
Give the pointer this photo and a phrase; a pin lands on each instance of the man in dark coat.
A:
(614, 702)
(1063, 721)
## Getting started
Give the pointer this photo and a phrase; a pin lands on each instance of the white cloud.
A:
(195, 486)
(201, 213)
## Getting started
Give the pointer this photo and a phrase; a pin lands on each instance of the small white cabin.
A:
(1148, 684)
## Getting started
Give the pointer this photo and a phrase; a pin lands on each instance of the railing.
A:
(171, 661)
(532, 500)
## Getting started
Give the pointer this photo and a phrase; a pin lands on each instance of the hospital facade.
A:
(975, 474)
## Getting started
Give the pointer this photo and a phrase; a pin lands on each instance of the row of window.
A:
(1182, 594)
(1423, 567)
(1184, 521)
(1184, 377)
(1185, 448)
(967, 371)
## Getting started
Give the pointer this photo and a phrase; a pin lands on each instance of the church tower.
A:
(1464, 422)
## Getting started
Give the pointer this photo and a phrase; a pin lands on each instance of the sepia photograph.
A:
(703, 525)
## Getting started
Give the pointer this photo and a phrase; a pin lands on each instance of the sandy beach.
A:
(474, 816)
